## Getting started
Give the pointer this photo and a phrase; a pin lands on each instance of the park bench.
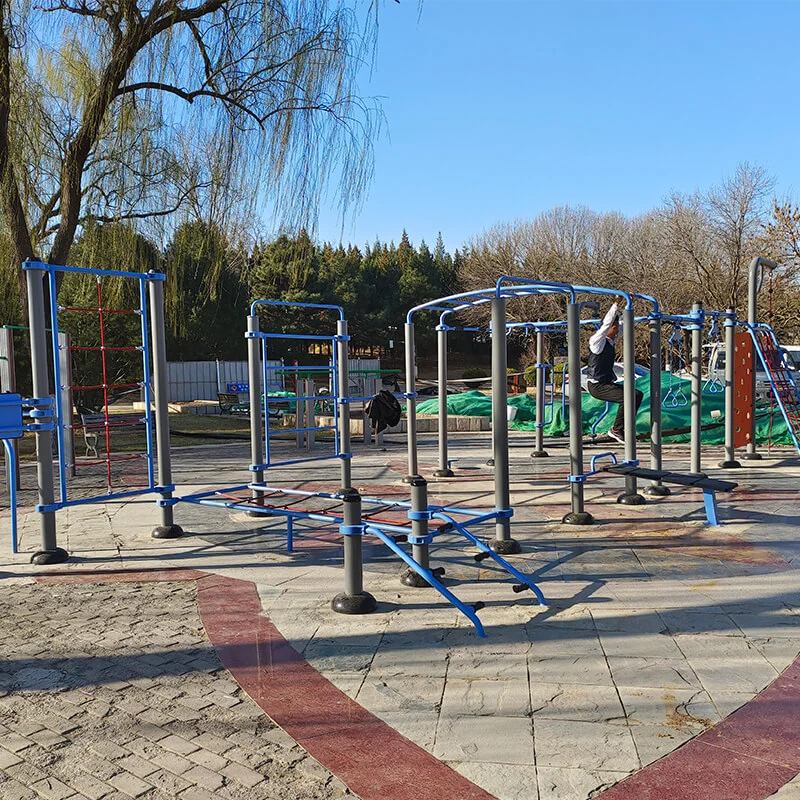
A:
(229, 404)
(709, 485)
(92, 424)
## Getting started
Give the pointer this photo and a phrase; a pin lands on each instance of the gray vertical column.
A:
(539, 451)
(577, 515)
(444, 470)
(310, 422)
(50, 552)
(502, 542)
(695, 467)
(254, 385)
(343, 406)
(755, 279)
(167, 529)
(420, 548)
(411, 403)
(631, 496)
(729, 326)
(656, 488)
(354, 600)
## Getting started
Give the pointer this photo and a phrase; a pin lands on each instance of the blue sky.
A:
(501, 109)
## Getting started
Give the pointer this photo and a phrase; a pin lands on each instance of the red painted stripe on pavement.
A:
(120, 575)
(372, 758)
(747, 756)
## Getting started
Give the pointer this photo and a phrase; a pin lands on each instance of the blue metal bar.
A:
(599, 290)
(466, 610)
(142, 276)
(103, 497)
(12, 489)
(299, 461)
(288, 304)
(198, 495)
(554, 286)
(710, 502)
(279, 431)
(337, 392)
(148, 413)
(499, 559)
(265, 378)
(59, 405)
(298, 336)
(283, 368)
(593, 469)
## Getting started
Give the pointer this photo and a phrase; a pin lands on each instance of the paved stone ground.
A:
(113, 691)
(658, 627)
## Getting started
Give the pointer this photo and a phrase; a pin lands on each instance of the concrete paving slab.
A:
(574, 783)
(588, 745)
(499, 740)
(576, 702)
(519, 783)
(483, 697)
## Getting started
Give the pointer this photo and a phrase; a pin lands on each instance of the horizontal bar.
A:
(142, 276)
(278, 431)
(300, 461)
(110, 460)
(75, 387)
(99, 349)
(290, 304)
(302, 337)
(298, 368)
(99, 498)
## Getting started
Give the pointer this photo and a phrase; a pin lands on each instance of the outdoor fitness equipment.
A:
(153, 385)
(344, 507)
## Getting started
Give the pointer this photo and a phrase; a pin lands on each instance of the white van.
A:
(716, 367)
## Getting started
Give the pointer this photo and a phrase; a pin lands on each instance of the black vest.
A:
(601, 367)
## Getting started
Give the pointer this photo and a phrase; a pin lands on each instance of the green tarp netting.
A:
(674, 417)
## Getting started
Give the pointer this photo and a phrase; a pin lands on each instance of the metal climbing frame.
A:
(344, 507)
(153, 386)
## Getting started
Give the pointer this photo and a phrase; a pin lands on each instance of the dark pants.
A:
(614, 393)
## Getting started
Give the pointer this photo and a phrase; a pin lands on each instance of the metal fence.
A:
(202, 380)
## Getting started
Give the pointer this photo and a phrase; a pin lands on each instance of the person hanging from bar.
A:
(601, 379)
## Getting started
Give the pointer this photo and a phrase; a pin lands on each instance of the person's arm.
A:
(597, 341)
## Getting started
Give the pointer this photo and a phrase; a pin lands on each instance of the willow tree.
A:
(131, 110)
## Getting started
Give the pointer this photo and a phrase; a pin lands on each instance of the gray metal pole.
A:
(444, 470)
(50, 553)
(656, 488)
(577, 515)
(310, 418)
(502, 542)
(256, 430)
(729, 325)
(696, 327)
(755, 277)
(343, 410)
(411, 403)
(354, 600)
(539, 451)
(167, 529)
(631, 496)
(420, 548)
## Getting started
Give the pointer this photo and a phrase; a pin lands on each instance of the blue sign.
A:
(238, 387)
(10, 416)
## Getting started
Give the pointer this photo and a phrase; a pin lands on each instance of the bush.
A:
(474, 373)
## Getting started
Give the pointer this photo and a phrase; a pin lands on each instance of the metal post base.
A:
(729, 465)
(539, 454)
(657, 490)
(490, 462)
(414, 580)
(363, 603)
(505, 547)
(410, 478)
(347, 492)
(55, 556)
(167, 532)
(751, 456)
(578, 518)
(699, 474)
(631, 500)
(443, 473)
(255, 513)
